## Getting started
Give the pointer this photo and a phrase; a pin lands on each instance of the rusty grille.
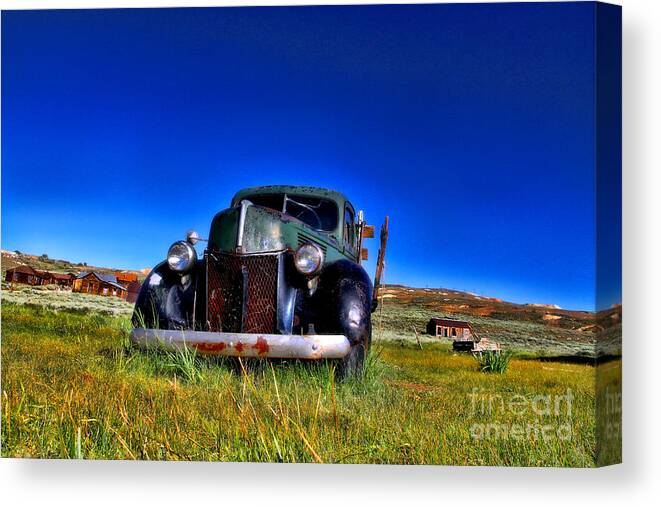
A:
(242, 293)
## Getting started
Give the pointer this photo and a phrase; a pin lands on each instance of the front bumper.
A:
(246, 345)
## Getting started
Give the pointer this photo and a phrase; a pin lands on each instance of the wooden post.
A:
(476, 338)
(380, 260)
(417, 338)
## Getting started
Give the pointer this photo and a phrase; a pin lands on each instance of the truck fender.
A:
(344, 302)
(168, 301)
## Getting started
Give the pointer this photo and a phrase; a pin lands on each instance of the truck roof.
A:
(338, 197)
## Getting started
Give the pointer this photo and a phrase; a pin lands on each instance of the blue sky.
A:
(472, 126)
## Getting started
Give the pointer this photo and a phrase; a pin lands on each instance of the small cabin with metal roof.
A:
(99, 283)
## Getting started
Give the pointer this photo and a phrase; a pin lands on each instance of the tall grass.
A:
(183, 362)
(493, 361)
(71, 389)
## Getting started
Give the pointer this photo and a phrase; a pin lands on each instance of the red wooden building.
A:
(61, 279)
(100, 284)
(125, 278)
(24, 274)
(133, 291)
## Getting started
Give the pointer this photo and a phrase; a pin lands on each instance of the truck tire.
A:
(352, 365)
(343, 302)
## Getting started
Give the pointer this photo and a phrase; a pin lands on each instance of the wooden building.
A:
(46, 278)
(30, 276)
(459, 331)
(24, 274)
(61, 279)
(125, 278)
(447, 328)
(100, 284)
(133, 290)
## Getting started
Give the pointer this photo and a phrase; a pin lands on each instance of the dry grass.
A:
(55, 298)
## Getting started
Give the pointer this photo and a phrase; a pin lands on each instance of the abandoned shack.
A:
(133, 290)
(24, 274)
(459, 331)
(125, 278)
(99, 283)
(447, 328)
(30, 276)
(60, 279)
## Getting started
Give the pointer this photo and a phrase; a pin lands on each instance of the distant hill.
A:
(45, 263)
(449, 301)
(533, 329)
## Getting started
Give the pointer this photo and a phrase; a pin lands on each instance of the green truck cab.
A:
(281, 277)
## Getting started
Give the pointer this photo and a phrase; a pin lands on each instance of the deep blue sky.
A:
(472, 126)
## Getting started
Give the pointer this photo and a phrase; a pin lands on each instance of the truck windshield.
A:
(317, 212)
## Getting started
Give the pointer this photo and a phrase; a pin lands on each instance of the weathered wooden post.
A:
(380, 262)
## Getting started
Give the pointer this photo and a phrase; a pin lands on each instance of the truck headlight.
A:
(308, 258)
(181, 257)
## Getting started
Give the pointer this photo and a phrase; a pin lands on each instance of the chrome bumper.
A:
(315, 346)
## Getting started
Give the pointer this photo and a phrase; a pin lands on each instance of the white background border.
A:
(638, 481)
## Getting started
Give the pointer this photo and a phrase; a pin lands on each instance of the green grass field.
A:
(72, 387)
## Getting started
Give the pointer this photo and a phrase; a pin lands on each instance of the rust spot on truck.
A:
(262, 346)
(210, 347)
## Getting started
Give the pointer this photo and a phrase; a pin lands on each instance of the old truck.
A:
(280, 277)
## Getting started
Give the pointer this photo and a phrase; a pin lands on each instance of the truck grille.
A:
(242, 292)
